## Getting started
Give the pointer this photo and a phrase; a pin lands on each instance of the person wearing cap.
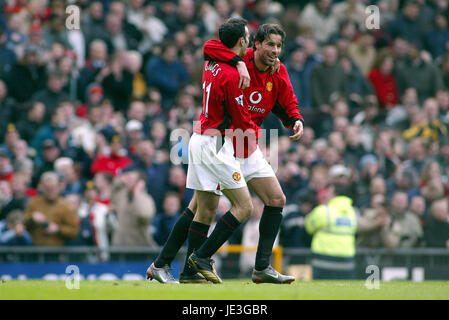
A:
(134, 134)
(49, 218)
(333, 228)
(134, 209)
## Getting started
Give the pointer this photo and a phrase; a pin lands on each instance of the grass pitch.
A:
(229, 290)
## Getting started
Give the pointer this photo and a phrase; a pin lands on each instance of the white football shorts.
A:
(212, 166)
(256, 166)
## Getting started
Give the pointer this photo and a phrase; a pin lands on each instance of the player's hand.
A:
(276, 66)
(298, 131)
(245, 79)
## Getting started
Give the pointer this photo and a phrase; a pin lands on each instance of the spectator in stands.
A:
(111, 158)
(8, 57)
(50, 219)
(184, 15)
(71, 183)
(97, 59)
(318, 18)
(436, 229)
(28, 126)
(164, 221)
(13, 195)
(431, 184)
(427, 79)
(12, 230)
(153, 29)
(134, 134)
(50, 152)
(418, 208)
(55, 31)
(7, 107)
(405, 228)
(53, 94)
(299, 66)
(437, 39)
(442, 156)
(383, 79)
(408, 25)
(93, 19)
(177, 183)
(27, 76)
(377, 186)
(103, 185)
(6, 168)
(292, 232)
(103, 222)
(350, 10)
(134, 209)
(362, 52)
(117, 82)
(156, 173)
(167, 73)
(85, 236)
(372, 225)
(327, 79)
(359, 88)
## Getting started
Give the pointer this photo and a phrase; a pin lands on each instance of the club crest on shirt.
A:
(269, 86)
(236, 176)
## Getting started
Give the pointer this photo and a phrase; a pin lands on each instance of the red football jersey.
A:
(224, 105)
(266, 92)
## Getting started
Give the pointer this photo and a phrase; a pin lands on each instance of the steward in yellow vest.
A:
(333, 227)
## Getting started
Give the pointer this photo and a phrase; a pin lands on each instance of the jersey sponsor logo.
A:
(239, 100)
(255, 109)
(255, 97)
(269, 86)
(236, 176)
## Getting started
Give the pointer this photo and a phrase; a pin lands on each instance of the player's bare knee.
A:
(276, 201)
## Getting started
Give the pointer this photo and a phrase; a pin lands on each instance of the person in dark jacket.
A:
(436, 229)
(167, 73)
(27, 77)
(164, 221)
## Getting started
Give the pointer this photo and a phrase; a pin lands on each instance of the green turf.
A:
(229, 290)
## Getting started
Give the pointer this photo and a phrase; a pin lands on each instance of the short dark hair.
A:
(264, 32)
(231, 31)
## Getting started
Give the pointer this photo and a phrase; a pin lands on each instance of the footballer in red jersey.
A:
(260, 176)
(212, 166)
(266, 92)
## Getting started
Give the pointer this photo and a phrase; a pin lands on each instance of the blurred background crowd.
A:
(86, 117)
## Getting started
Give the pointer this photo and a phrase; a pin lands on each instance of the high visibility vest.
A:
(333, 227)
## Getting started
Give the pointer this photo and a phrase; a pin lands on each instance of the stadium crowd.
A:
(86, 117)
